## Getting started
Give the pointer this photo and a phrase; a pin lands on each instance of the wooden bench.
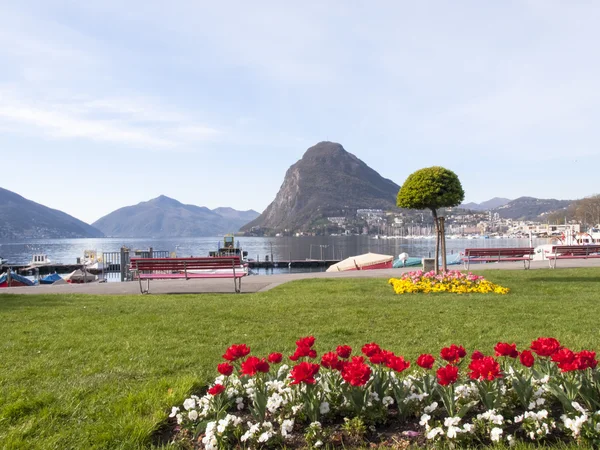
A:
(524, 254)
(572, 252)
(187, 269)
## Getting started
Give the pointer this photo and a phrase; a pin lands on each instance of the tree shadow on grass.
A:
(566, 279)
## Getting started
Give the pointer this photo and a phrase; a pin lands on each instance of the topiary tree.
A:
(432, 188)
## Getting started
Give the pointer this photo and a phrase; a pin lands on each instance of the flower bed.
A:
(545, 393)
(451, 281)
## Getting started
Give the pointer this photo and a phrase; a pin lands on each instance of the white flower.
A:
(174, 411)
(274, 402)
(286, 427)
(431, 408)
(264, 437)
(424, 420)
(193, 415)
(451, 421)
(247, 435)
(374, 396)
(318, 443)
(387, 400)
(468, 428)
(316, 425)
(434, 432)
(179, 419)
(518, 419)
(452, 431)
(282, 369)
(324, 408)
(510, 440)
(495, 434)
(578, 407)
(189, 403)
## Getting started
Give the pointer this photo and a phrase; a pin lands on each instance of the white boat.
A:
(39, 260)
(92, 261)
(569, 238)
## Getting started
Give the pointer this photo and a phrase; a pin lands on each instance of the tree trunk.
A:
(437, 242)
(443, 238)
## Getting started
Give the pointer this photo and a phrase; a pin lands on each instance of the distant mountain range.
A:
(22, 218)
(487, 205)
(326, 182)
(522, 208)
(530, 208)
(166, 217)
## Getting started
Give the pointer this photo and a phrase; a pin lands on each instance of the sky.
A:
(105, 104)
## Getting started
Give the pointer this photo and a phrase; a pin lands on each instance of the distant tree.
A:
(432, 188)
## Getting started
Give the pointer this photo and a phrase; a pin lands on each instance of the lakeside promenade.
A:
(262, 283)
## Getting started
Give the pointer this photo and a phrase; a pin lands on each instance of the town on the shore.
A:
(459, 224)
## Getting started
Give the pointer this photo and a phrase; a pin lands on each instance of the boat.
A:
(53, 278)
(91, 260)
(367, 261)
(80, 276)
(12, 279)
(411, 261)
(571, 237)
(229, 248)
(3, 261)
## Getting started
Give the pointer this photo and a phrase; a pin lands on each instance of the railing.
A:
(116, 264)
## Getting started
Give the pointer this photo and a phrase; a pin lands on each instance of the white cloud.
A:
(115, 120)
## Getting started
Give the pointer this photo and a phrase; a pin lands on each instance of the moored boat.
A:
(53, 278)
(12, 279)
(367, 261)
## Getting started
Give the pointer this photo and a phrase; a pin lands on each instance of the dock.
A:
(295, 263)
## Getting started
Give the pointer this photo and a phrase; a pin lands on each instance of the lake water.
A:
(281, 248)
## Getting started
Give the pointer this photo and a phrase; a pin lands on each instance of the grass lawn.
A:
(83, 372)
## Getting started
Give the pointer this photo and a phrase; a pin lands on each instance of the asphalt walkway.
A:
(260, 283)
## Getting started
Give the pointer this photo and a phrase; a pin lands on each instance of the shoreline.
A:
(257, 283)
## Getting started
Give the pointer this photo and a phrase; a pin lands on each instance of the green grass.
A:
(83, 372)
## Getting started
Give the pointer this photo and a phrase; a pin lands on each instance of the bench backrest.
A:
(508, 251)
(152, 264)
(576, 250)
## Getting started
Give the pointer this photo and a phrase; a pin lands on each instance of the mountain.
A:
(22, 218)
(234, 214)
(530, 208)
(166, 217)
(327, 181)
(495, 202)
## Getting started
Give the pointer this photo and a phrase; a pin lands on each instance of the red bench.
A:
(524, 254)
(572, 252)
(187, 268)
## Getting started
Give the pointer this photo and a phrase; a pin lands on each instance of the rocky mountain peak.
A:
(326, 181)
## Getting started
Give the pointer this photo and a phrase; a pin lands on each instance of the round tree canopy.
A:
(431, 188)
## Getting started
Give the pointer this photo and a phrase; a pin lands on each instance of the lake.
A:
(281, 248)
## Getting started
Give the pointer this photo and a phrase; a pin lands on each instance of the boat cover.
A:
(360, 262)
(16, 277)
(51, 279)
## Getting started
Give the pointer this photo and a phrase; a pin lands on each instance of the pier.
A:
(297, 263)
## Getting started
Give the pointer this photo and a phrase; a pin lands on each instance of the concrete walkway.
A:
(261, 283)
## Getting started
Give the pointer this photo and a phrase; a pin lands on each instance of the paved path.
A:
(259, 283)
